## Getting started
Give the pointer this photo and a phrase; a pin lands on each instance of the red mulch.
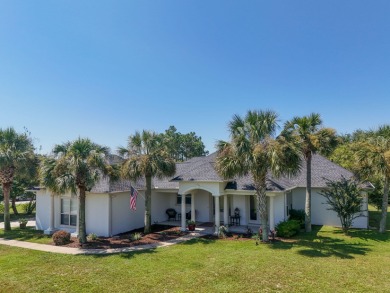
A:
(159, 233)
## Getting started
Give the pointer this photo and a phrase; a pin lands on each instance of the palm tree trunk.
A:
(308, 194)
(385, 203)
(13, 205)
(7, 220)
(148, 204)
(82, 227)
(261, 195)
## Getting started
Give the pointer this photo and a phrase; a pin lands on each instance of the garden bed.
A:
(159, 233)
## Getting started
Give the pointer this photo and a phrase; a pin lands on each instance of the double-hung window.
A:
(69, 211)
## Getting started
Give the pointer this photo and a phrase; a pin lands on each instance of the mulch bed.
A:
(160, 233)
(246, 237)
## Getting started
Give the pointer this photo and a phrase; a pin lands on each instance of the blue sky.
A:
(104, 69)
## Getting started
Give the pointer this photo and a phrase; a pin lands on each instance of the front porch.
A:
(206, 205)
(201, 227)
(209, 228)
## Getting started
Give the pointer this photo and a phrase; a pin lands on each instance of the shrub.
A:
(29, 207)
(92, 237)
(344, 197)
(222, 231)
(61, 237)
(135, 236)
(23, 221)
(298, 215)
(288, 228)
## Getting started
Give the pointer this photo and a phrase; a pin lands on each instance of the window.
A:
(69, 211)
(252, 208)
(188, 199)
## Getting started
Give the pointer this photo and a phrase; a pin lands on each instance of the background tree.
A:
(146, 157)
(254, 150)
(180, 146)
(311, 138)
(345, 155)
(344, 197)
(16, 157)
(22, 182)
(374, 159)
(75, 167)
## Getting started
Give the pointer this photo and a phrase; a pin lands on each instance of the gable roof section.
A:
(198, 169)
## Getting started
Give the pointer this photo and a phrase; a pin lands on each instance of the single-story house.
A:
(208, 199)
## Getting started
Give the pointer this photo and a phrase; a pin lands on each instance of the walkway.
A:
(78, 251)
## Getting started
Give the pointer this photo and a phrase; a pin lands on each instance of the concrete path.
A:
(76, 251)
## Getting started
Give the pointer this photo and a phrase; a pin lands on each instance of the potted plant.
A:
(191, 225)
(23, 223)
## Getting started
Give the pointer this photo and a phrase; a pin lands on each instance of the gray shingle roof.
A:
(202, 169)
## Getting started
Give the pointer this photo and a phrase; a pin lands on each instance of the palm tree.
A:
(16, 155)
(254, 150)
(374, 159)
(75, 167)
(311, 138)
(145, 157)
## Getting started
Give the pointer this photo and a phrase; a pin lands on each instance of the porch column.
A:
(193, 206)
(217, 218)
(271, 213)
(183, 213)
(50, 230)
(225, 211)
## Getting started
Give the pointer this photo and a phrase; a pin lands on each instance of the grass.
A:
(322, 261)
(29, 234)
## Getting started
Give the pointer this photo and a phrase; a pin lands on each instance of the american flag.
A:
(133, 198)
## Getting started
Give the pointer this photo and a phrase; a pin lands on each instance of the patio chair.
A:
(171, 214)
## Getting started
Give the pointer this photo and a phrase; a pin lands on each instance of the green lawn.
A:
(323, 261)
(21, 215)
(29, 234)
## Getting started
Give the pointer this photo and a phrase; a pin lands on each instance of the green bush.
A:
(288, 228)
(135, 236)
(92, 237)
(29, 207)
(61, 237)
(298, 215)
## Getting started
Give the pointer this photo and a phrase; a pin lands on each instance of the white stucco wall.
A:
(97, 214)
(279, 208)
(42, 217)
(42, 210)
(124, 219)
(320, 215)
(161, 201)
